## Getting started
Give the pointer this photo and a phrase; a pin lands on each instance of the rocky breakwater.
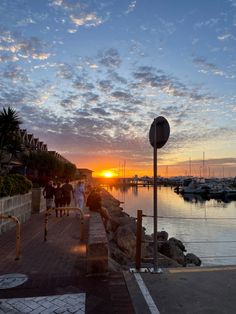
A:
(121, 234)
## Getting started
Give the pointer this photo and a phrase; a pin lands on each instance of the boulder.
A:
(164, 261)
(162, 236)
(178, 243)
(108, 200)
(172, 251)
(115, 222)
(126, 240)
(193, 259)
(117, 255)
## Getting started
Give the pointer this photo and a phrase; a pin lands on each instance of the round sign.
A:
(162, 132)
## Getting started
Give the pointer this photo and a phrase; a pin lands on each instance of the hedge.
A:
(13, 184)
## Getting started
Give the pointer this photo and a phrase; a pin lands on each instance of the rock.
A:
(115, 222)
(121, 234)
(164, 261)
(110, 236)
(116, 254)
(108, 200)
(193, 259)
(126, 240)
(162, 236)
(178, 243)
(169, 249)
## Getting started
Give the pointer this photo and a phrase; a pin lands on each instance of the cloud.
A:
(131, 7)
(65, 71)
(89, 20)
(105, 85)
(206, 67)
(25, 22)
(15, 74)
(15, 46)
(120, 95)
(100, 111)
(83, 85)
(224, 37)
(41, 56)
(209, 23)
(8, 58)
(57, 2)
(167, 84)
(110, 58)
(72, 30)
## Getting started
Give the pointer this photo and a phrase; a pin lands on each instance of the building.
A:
(85, 174)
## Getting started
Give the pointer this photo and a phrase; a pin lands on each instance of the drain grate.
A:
(9, 281)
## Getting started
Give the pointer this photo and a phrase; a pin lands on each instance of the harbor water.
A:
(206, 227)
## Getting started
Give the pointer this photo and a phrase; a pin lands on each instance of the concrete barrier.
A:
(18, 206)
(97, 246)
(38, 201)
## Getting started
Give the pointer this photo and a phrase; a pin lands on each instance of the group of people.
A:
(61, 196)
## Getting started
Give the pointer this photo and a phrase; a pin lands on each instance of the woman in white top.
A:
(79, 193)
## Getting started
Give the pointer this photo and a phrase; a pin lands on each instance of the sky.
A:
(89, 77)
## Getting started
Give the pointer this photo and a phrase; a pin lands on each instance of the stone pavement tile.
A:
(38, 310)
(70, 303)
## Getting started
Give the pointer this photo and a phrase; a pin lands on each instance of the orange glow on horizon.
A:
(112, 168)
(108, 174)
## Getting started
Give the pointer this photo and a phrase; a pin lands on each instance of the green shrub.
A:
(13, 184)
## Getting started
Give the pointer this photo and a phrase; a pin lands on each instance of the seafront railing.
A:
(139, 240)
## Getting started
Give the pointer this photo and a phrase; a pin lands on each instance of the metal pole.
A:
(155, 197)
(81, 225)
(17, 239)
(138, 239)
(46, 226)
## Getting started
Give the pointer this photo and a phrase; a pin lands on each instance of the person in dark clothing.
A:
(48, 193)
(94, 203)
(67, 193)
(58, 198)
(94, 200)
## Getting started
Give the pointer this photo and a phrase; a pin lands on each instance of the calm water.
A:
(192, 220)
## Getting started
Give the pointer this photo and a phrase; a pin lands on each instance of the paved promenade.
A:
(55, 269)
(56, 282)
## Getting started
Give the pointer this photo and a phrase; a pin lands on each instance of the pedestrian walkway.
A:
(55, 272)
(50, 277)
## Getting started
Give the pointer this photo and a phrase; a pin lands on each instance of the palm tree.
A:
(9, 127)
(9, 121)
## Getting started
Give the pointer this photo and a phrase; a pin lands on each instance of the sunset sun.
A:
(108, 174)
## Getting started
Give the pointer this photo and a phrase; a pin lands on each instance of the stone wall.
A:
(97, 246)
(19, 206)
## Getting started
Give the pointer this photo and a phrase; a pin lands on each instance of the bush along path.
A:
(121, 233)
(13, 184)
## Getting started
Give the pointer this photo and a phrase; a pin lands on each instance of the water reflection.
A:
(191, 219)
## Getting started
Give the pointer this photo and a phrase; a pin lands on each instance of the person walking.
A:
(48, 193)
(58, 198)
(94, 203)
(67, 193)
(80, 195)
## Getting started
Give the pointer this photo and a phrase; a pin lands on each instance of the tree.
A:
(10, 142)
(44, 164)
